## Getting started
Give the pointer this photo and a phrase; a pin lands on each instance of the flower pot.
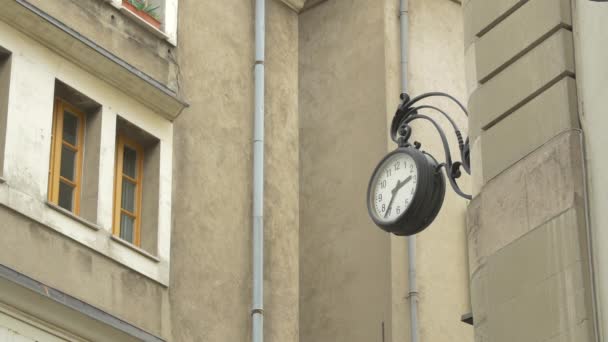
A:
(143, 15)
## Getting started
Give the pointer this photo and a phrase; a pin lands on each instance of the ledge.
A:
(134, 248)
(86, 234)
(72, 216)
(70, 44)
(59, 308)
(311, 3)
(160, 34)
(295, 5)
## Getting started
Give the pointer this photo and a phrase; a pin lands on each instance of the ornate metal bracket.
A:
(401, 132)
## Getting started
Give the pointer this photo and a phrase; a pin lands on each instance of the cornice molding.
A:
(311, 3)
(295, 5)
(300, 5)
(48, 304)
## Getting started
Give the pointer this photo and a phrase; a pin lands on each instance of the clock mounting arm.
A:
(401, 131)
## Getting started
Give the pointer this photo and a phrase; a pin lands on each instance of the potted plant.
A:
(144, 10)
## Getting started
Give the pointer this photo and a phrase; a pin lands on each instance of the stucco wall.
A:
(34, 72)
(443, 289)
(437, 64)
(37, 251)
(353, 276)
(345, 288)
(121, 35)
(73, 255)
(211, 251)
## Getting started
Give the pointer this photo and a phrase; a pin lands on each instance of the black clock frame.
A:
(426, 202)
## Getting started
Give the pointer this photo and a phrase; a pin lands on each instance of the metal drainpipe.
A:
(413, 291)
(411, 240)
(257, 311)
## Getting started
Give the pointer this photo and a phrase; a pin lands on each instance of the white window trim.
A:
(169, 21)
(27, 152)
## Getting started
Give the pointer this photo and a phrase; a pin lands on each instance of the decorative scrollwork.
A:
(401, 132)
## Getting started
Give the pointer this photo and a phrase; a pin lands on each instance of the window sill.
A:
(95, 237)
(72, 216)
(160, 34)
(135, 248)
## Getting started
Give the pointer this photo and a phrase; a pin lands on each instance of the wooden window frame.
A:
(121, 142)
(57, 143)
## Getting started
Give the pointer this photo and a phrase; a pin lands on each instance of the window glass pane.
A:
(68, 163)
(129, 165)
(126, 227)
(70, 128)
(66, 196)
(128, 196)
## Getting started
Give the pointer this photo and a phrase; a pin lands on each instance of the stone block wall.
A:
(527, 228)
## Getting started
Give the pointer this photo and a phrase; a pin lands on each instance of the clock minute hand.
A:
(399, 185)
(390, 203)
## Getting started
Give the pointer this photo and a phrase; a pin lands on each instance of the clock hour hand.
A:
(398, 186)
(401, 184)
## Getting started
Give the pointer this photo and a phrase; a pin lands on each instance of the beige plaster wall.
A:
(211, 246)
(61, 263)
(345, 287)
(111, 29)
(65, 252)
(437, 64)
(34, 74)
(349, 89)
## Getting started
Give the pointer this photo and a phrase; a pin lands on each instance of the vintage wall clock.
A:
(406, 191)
(407, 188)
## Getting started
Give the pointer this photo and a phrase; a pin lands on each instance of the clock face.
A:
(394, 187)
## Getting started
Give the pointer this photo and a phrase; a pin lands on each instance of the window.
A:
(147, 10)
(128, 190)
(75, 148)
(158, 16)
(137, 186)
(5, 76)
(67, 145)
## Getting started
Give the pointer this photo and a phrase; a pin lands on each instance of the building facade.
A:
(536, 75)
(126, 153)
